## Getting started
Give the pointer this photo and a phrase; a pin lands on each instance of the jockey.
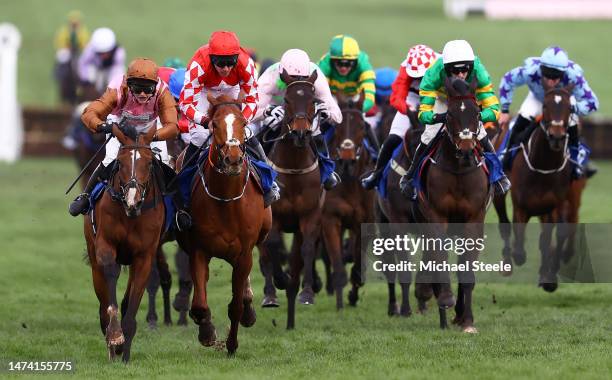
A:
(384, 80)
(174, 78)
(405, 99)
(296, 64)
(555, 68)
(220, 67)
(102, 60)
(140, 95)
(458, 61)
(173, 62)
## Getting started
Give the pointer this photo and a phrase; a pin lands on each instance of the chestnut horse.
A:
(228, 220)
(299, 209)
(125, 229)
(541, 183)
(456, 190)
(348, 205)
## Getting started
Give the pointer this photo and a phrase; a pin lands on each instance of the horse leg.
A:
(200, 312)
(505, 229)
(181, 299)
(265, 266)
(165, 280)
(519, 224)
(309, 229)
(332, 230)
(152, 287)
(249, 316)
(356, 275)
(459, 305)
(329, 285)
(295, 268)
(405, 278)
(548, 277)
(140, 272)
(393, 307)
(437, 289)
(275, 249)
(235, 308)
(115, 337)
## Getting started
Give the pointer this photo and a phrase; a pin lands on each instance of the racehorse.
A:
(349, 205)
(456, 190)
(541, 179)
(228, 220)
(299, 209)
(124, 228)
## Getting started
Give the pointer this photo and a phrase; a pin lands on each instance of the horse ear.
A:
(313, 77)
(285, 77)
(148, 136)
(340, 98)
(211, 99)
(570, 88)
(546, 86)
(359, 104)
(448, 84)
(121, 137)
(474, 85)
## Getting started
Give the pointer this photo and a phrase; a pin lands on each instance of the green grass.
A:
(49, 312)
(384, 28)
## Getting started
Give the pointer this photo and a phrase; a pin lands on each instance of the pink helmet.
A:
(419, 58)
(296, 62)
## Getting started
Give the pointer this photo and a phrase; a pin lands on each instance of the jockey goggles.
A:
(137, 87)
(551, 73)
(224, 60)
(458, 68)
(344, 62)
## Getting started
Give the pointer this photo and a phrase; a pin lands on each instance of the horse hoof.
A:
(519, 258)
(248, 316)
(446, 300)
(549, 286)
(470, 330)
(353, 297)
(306, 296)
(270, 301)
(180, 303)
(207, 334)
(168, 322)
(182, 321)
(422, 307)
(317, 284)
(405, 311)
(393, 309)
(457, 320)
(115, 340)
(281, 281)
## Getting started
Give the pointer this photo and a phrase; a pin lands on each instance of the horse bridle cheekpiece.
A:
(132, 183)
(465, 133)
(299, 92)
(222, 148)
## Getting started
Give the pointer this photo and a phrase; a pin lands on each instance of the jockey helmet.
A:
(343, 47)
(384, 79)
(103, 40)
(419, 58)
(458, 55)
(174, 62)
(176, 82)
(555, 58)
(223, 42)
(142, 69)
(295, 62)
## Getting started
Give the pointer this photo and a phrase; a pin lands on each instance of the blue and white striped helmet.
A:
(555, 58)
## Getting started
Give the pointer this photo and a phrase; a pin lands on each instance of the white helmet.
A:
(457, 51)
(296, 62)
(103, 40)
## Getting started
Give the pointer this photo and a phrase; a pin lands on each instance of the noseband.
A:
(132, 183)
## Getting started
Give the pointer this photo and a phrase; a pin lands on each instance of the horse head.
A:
(347, 144)
(228, 127)
(556, 110)
(462, 119)
(299, 106)
(135, 160)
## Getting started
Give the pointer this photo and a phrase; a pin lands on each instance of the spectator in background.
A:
(70, 40)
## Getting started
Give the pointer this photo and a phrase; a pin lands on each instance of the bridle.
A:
(465, 133)
(133, 183)
(349, 143)
(288, 121)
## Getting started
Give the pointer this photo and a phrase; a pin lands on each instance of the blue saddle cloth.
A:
(99, 190)
(381, 187)
(188, 175)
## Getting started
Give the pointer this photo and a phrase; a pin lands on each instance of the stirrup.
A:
(77, 207)
(184, 223)
(371, 180)
(332, 181)
(272, 195)
(502, 186)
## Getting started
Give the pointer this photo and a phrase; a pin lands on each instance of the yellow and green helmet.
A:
(343, 46)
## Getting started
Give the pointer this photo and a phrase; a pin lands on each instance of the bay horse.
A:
(456, 190)
(541, 178)
(349, 204)
(299, 209)
(124, 228)
(229, 219)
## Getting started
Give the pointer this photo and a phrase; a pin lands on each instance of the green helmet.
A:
(174, 62)
(343, 47)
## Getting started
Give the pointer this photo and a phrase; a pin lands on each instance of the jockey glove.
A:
(323, 111)
(105, 128)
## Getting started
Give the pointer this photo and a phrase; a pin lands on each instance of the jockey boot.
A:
(81, 203)
(369, 180)
(520, 124)
(182, 218)
(321, 146)
(503, 184)
(587, 170)
(191, 151)
(371, 136)
(406, 185)
(257, 151)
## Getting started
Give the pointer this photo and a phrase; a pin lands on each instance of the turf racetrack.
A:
(49, 312)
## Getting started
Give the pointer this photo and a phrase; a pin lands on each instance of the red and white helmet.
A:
(419, 58)
(296, 62)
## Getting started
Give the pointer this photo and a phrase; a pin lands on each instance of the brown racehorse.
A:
(128, 223)
(299, 209)
(541, 180)
(348, 205)
(456, 190)
(228, 220)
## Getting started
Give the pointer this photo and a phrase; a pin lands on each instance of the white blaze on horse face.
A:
(229, 125)
(462, 108)
(558, 99)
(131, 195)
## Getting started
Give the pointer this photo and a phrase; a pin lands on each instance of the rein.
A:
(527, 150)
